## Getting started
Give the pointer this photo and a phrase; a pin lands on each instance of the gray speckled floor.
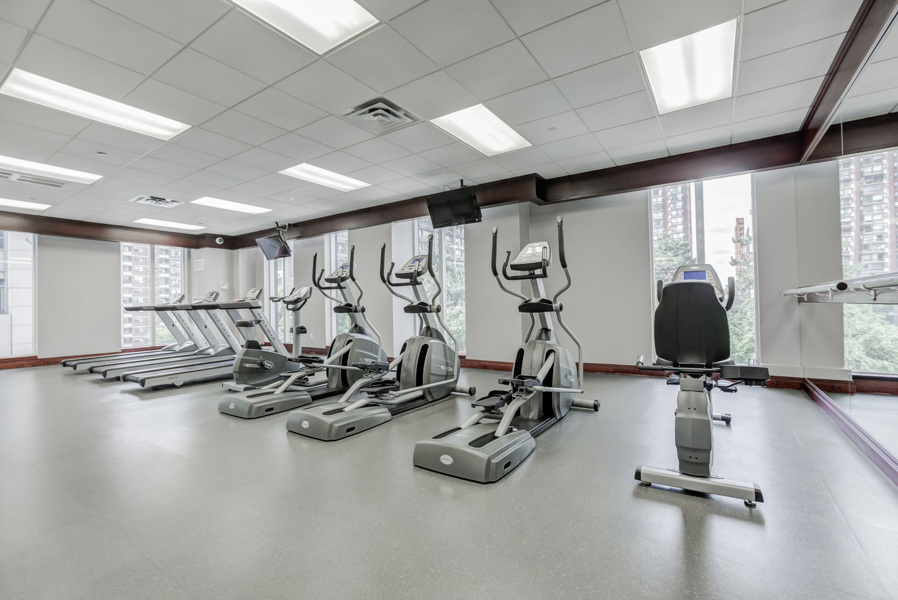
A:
(109, 491)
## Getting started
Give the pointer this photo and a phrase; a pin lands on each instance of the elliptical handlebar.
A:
(496, 271)
(431, 271)
(561, 257)
(731, 293)
(495, 244)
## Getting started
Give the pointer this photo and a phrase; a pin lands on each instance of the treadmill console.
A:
(208, 298)
(340, 275)
(532, 257)
(416, 266)
(703, 273)
(253, 294)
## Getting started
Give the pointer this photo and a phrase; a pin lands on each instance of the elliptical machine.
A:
(692, 340)
(427, 368)
(256, 367)
(544, 385)
(296, 389)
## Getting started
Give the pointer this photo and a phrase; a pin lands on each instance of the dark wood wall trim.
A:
(107, 233)
(868, 28)
(872, 449)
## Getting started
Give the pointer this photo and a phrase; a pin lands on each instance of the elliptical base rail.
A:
(750, 493)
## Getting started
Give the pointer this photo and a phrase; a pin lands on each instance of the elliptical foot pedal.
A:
(372, 366)
(493, 401)
(387, 386)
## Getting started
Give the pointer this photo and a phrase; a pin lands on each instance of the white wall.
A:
(17, 325)
(402, 245)
(217, 274)
(314, 314)
(249, 265)
(79, 297)
(377, 299)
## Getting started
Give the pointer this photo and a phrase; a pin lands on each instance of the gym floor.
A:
(110, 491)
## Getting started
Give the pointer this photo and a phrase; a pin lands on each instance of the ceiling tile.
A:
(638, 152)
(208, 78)
(119, 138)
(298, 148)
(144, 178)
(753, 5)
(792, 23)
(619, 111)
(185, 156)
(482, 170)
(788, 66)
(23, 134)
(777, 100)
(888, 46)
(572, 147)
(215, 181)
(340, 162)
(189, 188)
(375, 175)
(11, 38)
(452, 30)
(256, 190)
(520, 159)
(498, 71)
(411, 165)
(261, 52)
(24, 151)
(452, 154)
(64, 64)
(590, 37)
(382, 59)
(420, 137)
(554, 128)
(279, 182)
(697, 118)
(754, 129)
(25, 14)
(101, 32)
(179, 20)
(26, 113)
(212, 143)
(409, 186)
(162, 167)
(433, 96)
(88, 149)
(868, 105)
(240, 170)
(281, 109)
(323, 85)
(547, 171)
(532, 103)
(524, 17)
(265, 159)
(652, 22)
(876, 77)
(611, 79)
(385, 10)
(171, 102)
(81, 163)
(377, 150)
(586, 162)
(699, 140)
(630, 134)
(334, 132)
(441, 179)
(243, 127)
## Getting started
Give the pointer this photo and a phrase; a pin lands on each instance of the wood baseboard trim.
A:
(884, 460)
(21, 362)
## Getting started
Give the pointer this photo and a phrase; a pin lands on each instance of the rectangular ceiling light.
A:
(228, 205)
(692, 70)
(479, 128)
(314, 174)
(23, 204)
(319, 26)
(170, 224)
(46, 92)
(32, 168)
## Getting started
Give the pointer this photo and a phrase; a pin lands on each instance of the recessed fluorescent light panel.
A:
(235, 206)
(32, 168)
(314, 174)
(479, 128)
(23, 204)
(692, 70)
(319, 25)
(46, 92)
(170, 224)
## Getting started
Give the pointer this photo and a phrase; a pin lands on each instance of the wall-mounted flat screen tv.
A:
(455, 207)
(274, 247)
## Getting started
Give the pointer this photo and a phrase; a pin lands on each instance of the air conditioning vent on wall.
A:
(156, 201)
(32, 179)
(380, 116)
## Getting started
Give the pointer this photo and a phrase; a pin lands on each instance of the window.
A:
(279, 282)
(16, 294)
(449, 258)
(336, 253)
(871, 330)
(715, 228)
(150, 275)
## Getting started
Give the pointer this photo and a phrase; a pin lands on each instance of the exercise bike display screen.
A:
(697, 275)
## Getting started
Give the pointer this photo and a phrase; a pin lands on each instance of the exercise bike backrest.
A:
(691, 326)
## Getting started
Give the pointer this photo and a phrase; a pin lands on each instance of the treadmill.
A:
(186, 340)
(205, 340)
(216, 367)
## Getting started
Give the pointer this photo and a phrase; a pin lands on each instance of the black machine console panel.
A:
(416, 266)
(703, 273)
(303, 293)
(252, 295)
(532, 257)
(340, 275)
(209, 298)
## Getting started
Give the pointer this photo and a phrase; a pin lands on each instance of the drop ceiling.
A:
(564, 74)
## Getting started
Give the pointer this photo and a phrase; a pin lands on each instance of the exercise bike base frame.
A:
(750, 493)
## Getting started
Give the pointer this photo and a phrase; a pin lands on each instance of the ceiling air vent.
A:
(380, 116)
(32, 179)
(156, 201)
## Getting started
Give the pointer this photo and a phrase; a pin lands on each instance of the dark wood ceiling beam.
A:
(869, 27)
(857, 137)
